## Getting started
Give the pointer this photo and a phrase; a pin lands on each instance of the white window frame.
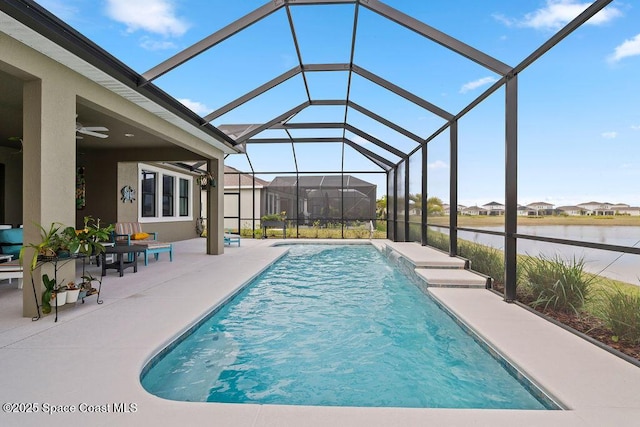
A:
(176, 198)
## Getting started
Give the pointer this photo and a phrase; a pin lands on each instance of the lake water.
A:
(618, 266)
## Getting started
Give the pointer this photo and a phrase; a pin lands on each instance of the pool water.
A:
(335, 325)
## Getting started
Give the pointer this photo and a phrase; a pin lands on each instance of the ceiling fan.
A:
(14, 142)
(90, 130)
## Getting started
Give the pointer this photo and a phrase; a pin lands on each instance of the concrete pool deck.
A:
(94, 354)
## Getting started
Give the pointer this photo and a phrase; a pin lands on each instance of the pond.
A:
(615, 265)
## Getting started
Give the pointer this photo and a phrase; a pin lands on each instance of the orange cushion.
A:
(139, 236)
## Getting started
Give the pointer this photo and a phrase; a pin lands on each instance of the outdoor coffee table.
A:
(121, 252)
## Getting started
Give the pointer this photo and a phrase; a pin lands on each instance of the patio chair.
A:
(231, 238)
(128, 232)
(11, 270)
(125, 232)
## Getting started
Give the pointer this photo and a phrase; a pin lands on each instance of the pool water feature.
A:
(336, 325)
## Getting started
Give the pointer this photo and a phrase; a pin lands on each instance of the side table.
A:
(121, 251)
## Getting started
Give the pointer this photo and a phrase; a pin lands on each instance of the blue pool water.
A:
(335, 325)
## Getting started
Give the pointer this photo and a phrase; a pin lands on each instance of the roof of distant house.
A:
(569, 208)
(319, 181)
(246, 180)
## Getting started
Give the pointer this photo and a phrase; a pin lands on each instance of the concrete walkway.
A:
(92, 358)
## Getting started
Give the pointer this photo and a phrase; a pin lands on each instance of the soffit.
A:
(40, 43)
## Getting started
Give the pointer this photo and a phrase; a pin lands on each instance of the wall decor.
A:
(128, 194)
(81, 200)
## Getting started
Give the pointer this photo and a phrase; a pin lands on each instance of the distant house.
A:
(624, 209)
(525, 211)
(325, 197)
(475, 210)
(446, 208)
(571, 210)
(541, 208)
(589, 207)
(413, 209)
(597, 208)
(240, 207)
(494, 208)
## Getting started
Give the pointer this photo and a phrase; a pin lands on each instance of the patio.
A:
(95, 353)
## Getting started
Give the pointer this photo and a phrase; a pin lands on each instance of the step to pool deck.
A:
(454, 278)
(425, 257)
(437, 268)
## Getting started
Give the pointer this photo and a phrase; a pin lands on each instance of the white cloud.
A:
(485, 81)
(195, 106)
(155, 16)
(609, 135)
(438, 164)
(150, 44)
(629, 47)
(558, 13)
(509, 22)
(360, 140)
(635, 127)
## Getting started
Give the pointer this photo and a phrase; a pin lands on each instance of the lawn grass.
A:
(492, 221)
(319, 233)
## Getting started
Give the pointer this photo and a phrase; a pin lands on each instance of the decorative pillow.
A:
(139, 236)
(12, 235)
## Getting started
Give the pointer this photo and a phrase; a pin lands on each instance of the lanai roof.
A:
(325, 85)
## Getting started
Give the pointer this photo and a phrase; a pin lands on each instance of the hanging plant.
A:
(206, 180)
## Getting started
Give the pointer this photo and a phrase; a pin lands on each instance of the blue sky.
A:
(579, 105)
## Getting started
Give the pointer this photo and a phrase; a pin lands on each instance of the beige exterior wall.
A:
(168, 231)
(246, 203)
(51, 92)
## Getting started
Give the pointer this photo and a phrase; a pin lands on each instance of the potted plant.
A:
(65, 243)
(87, 240)
(273, 221)
(206, 180)
(73, 291)
(46, 294)
(52, 294)
(58, 297)
(86, 287)
(48, 244)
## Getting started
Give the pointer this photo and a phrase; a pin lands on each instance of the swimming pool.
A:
(335, 325)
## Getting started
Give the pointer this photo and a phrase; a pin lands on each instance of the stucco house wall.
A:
(246, 213)
(168, 231)
(51, 91)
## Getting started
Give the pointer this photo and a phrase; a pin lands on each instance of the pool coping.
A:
(139, 317)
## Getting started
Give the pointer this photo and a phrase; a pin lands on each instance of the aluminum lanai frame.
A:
(243, 134)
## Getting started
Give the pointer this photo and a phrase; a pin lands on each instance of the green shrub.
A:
(248, 232)
(620, 311)
(484, 259)
(438, 240)
(558, 284)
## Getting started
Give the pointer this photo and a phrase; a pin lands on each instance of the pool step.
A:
(435, 267)
(451, 278)
(425, 257)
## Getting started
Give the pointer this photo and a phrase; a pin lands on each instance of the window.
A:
(184, 197)
(148, 194)
(166, 195)
(168, 189)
